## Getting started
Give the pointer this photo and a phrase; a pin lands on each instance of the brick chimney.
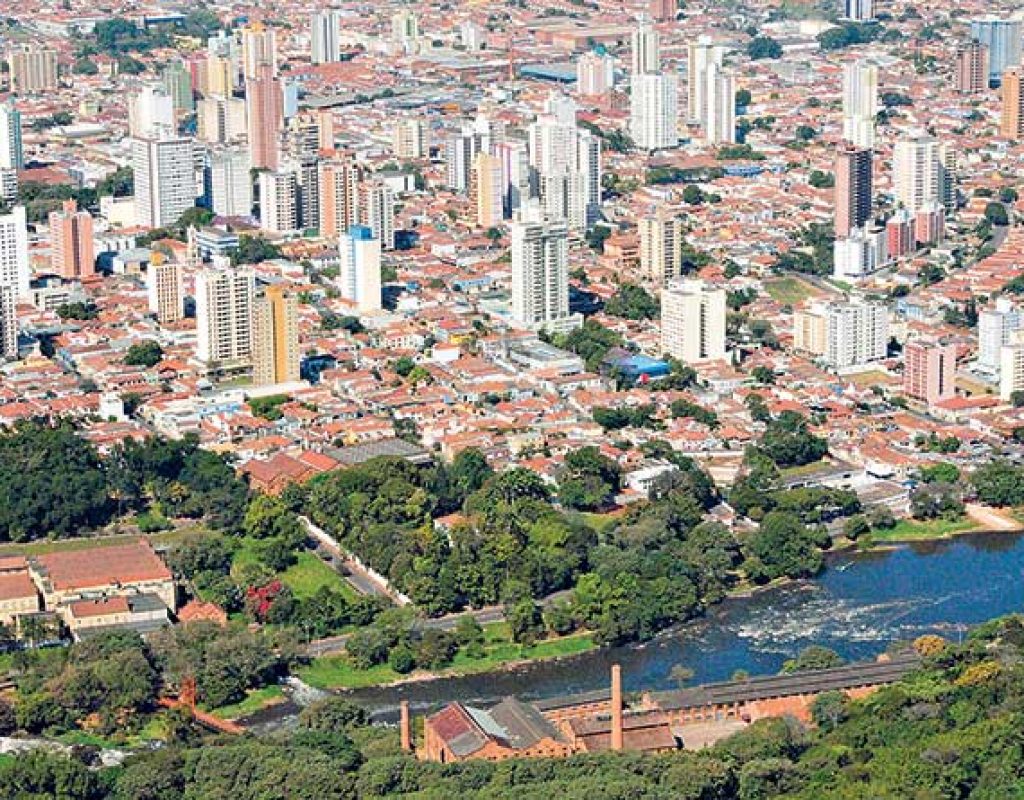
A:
(405, 727)
(616, 707)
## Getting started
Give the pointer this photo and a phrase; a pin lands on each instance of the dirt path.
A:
(993, 519)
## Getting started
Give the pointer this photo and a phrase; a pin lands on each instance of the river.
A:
(858, 606)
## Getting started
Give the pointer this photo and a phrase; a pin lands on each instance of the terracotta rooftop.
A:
(101, 566)
(16, 585)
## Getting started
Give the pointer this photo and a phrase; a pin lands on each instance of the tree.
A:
(829, 709)
(763, 47)
(332, 714)
(999, 483)
(253, 250)
(856, 527)
(469, 472)
(144, 354)
(812, 658)
(805, 133)
(789, 443)
(763, 375)
(743, 98)
(996, 214)
(783, 546)
(525, 621)
(943, 472)
(821, 180)
(589, 480)
(633, 302)
(935, 501)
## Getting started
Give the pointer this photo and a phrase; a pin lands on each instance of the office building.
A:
(1002, 37)
(265, 116)
(224, 311)
(486, 191)
(693, 322)
(165, 290)
(1012, 126)
(855, 333)
(653, 111)
(701, 56)
(151, 113)
(997, 327)
(646, 48)
(177, 82)
(853, 189)
(14, 264)
(8, 323)
(929, 371)
(228, 181)
(376, 211)
(540, 271)
(339, 196)
(32, 69)
(971, 69)
(12, 153)
(860, 103)
(595, 75)
(71, 245)
(258, 50)
(275, 331)
(165, 180)
(409, 139)
(221, 120)
(720, 123)
(279, 203)
(360, 278)
(325, 36)
(661, 242)
(859, 10)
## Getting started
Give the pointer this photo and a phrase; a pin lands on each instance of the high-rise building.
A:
(929, 370)
(917, 171)
(72, 253)
(1002, 37)
(376, 211)
(275, 332)
(1012, 126)
(339, 197)
(12, 153)
(151, 113)
(661, 245)
(405, 29)
(653, 111)
(810, 331)
(221, 120)
(540, 270)
(279, 202)
(325, 36)
(646, 47)
(228, 181)
(165, 290)
(165, 180)
(265, 113)
(1011, 366)
(224, 310)
(217, 76)
(997, 327)
(459, 151)
(8, 323)
(515, 174)
(595, 74)
(486, 190)
(177, 82)
(33, 69)
(864, 251)
(971, 69)
(720, 123)
(14, 265)
(860, 103)
(409, 138)
(701, 56)
(853, 189)
(563, 195)
(693, 321)
(360, 278)
(663, 10)
(8, 186)
(855, 333)
(859, 10)
(309, 133)
(259, 49)
(589, 165)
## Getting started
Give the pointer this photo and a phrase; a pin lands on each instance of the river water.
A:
(862, 603)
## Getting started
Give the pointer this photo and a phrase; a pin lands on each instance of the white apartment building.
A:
(693, 321)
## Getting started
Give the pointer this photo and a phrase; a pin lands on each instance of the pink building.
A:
(929, 371)
(265, 100)
(929, 225)
(72, 254)
(899, 234)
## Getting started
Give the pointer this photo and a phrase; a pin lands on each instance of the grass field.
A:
(791, 291)
(913, 530)
(255, 700)
(337, 672)
(305, 577)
